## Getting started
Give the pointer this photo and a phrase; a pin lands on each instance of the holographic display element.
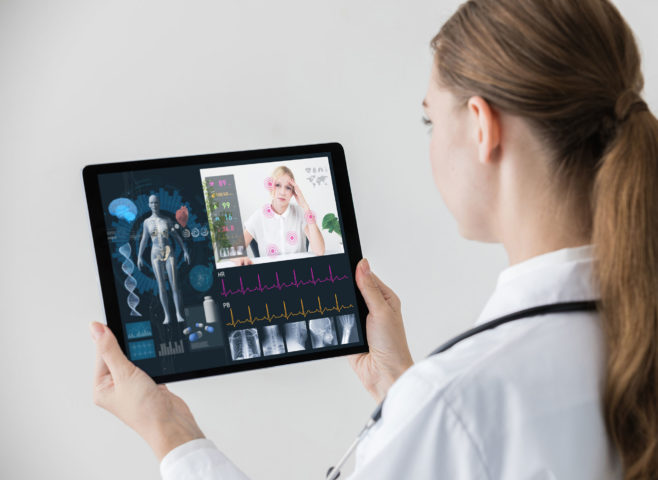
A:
(201, 278)
(167, 349)
(272, 340)
(123, 209)
(309, 216)
(280, 285)
(267, 210)
(347, 327)
(296, 336)
(182, 216)
(244, 344)
(130, 283)
(323, 332)
(291, 238)
(141, 350)
(138, 330)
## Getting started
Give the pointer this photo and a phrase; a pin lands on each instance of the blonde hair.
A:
(279, 172)
(572, 69)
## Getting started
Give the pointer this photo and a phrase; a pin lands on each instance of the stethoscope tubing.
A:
(561, 307)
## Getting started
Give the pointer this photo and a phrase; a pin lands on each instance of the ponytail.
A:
(625, 235)
(571, 69)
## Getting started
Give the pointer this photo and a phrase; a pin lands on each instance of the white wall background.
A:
(88, 81)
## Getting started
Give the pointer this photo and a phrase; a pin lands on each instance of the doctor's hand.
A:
(389, 354)
(161, 418)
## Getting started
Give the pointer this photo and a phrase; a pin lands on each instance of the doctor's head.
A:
(282, 188)
(539, 130)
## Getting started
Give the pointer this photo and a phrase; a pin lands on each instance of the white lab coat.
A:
(521, 401)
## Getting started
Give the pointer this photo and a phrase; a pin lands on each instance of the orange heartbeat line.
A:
(286, 314)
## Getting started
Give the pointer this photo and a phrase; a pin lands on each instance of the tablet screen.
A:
(227, 265)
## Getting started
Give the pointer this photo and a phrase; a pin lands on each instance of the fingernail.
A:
(366, 266)
(96, 330)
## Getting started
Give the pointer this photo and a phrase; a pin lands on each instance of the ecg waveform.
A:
(286, 314)
(281, 285)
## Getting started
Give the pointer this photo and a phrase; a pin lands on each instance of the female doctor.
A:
(540, 140)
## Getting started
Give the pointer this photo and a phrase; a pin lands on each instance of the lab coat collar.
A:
(563, 275)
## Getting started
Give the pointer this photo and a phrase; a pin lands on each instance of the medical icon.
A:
(195, 336)
(210, 310)
(141, 350)
(323, 333)
(201, 278)
(130, 283)
(272, 340)
(167, 349)
(182, 216)
(244, 344)
(123, 208)
(136, 330)
(346, 325)
(159, 228)
(296, 336)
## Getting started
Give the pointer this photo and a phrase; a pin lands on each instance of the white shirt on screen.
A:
(278, 234)
(521, 401)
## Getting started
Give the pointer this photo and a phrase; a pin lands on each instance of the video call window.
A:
(271, 212)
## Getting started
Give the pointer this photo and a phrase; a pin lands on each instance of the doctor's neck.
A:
(536, 212)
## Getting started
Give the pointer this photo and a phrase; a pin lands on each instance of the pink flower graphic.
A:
(291, 237)
(267, 211)
(310, 216)
(269, 183)
(272, 250)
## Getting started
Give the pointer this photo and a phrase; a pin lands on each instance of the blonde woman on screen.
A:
(281, 227)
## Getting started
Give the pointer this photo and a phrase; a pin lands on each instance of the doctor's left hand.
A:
(161, 418)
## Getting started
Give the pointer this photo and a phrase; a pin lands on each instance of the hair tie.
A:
(628, 103)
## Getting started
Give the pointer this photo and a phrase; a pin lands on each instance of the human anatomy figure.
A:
(160, 229)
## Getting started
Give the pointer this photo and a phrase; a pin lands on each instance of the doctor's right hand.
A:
(161, 418)
(389, 355)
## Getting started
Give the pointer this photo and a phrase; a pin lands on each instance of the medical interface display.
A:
(229, 264)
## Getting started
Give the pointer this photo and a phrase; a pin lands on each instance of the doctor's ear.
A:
(487, 124)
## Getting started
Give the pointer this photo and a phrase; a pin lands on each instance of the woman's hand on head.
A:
(389, 354)
(299, 196)
(161, 418)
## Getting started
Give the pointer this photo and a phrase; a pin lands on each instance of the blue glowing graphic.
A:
(123, 208)
(201, 278)
(141, 350)
(138, 330)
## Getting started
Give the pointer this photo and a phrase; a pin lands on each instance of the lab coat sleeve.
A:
(198, 460)
(421, 436)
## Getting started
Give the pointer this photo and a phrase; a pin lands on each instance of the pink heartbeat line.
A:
(279, 285)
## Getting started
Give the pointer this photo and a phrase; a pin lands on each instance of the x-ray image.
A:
(323, 333)
(296, 336)
(244, 344)
(346, 325)
(272, 340)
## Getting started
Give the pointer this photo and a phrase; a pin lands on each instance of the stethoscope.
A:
(334, 472)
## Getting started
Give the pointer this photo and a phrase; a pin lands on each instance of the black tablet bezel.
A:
(90, 175)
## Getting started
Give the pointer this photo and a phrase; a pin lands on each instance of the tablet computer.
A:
(225, 262)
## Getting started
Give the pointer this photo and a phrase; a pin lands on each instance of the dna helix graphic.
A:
(130, 283)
